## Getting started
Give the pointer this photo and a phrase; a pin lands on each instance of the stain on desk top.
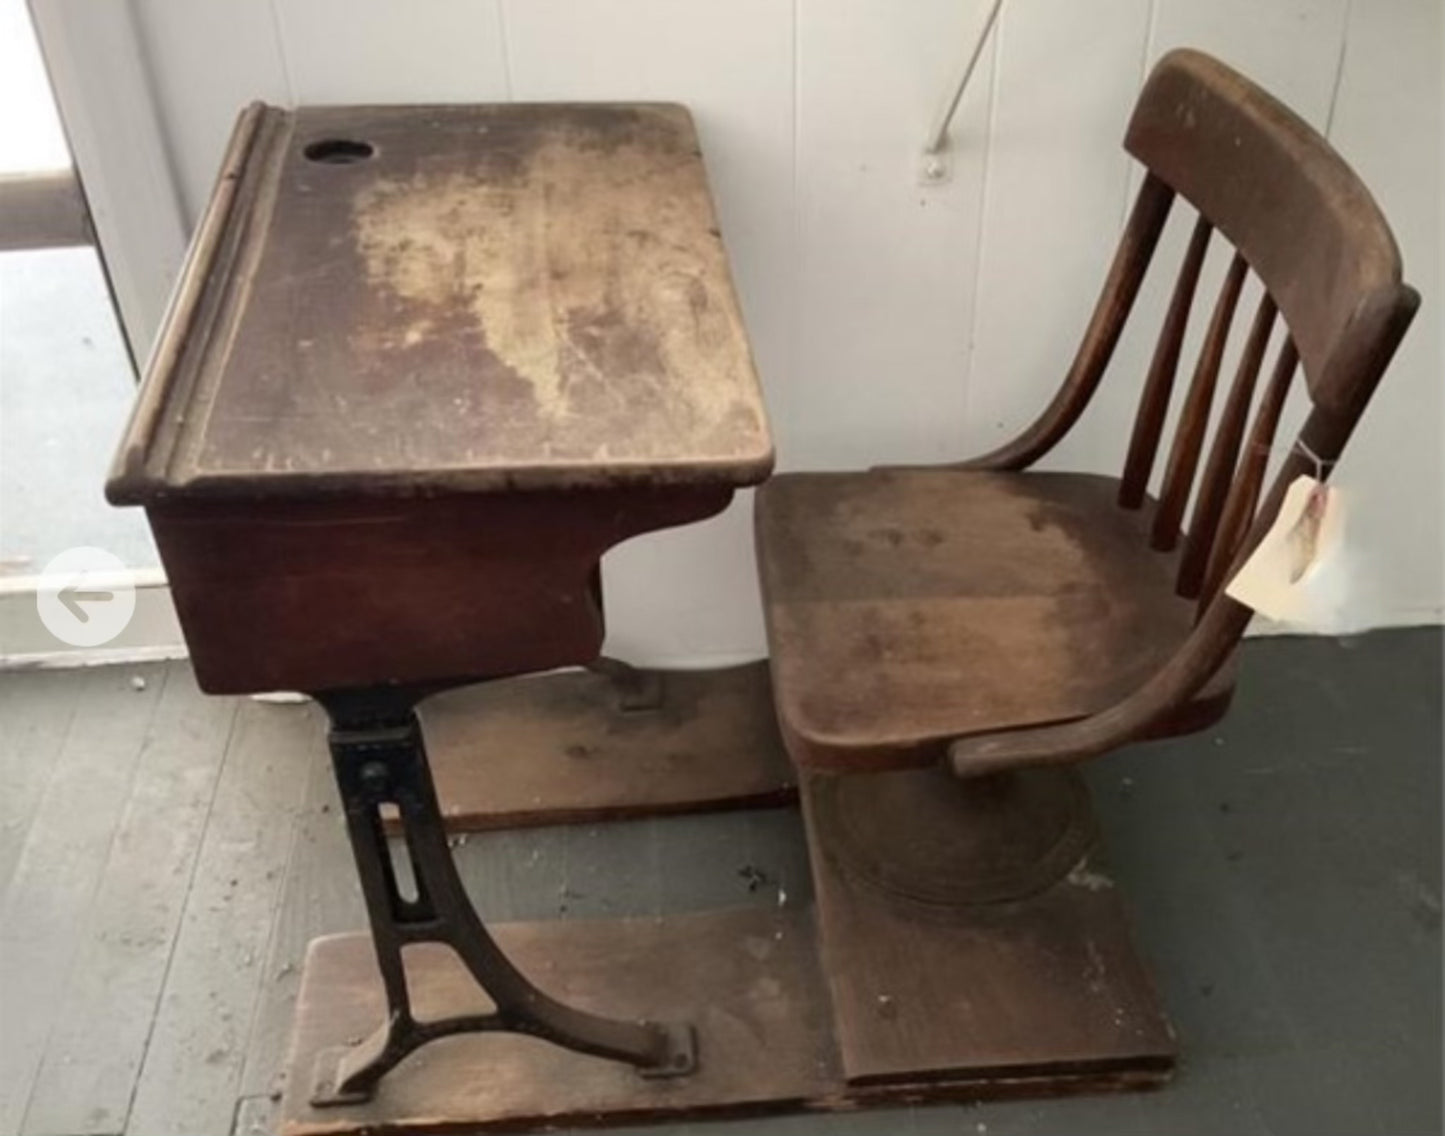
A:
(452, 299)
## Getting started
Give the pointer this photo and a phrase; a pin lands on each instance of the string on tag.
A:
(1303, 538)
(1301, 447)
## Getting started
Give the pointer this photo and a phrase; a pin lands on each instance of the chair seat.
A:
(907, 608)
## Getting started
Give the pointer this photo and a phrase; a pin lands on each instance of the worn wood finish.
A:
(560, 749)
(907, 608)
(1208, 647)
(1159, 384)
(848, 594)
(425, 365)
(452, 299)
(1194, 416)
(1049, 982)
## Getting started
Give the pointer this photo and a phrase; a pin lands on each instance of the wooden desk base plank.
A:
(748, 978)
(559, 748)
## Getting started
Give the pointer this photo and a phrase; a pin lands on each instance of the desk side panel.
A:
(319, 595)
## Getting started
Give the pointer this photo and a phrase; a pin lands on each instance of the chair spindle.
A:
(1244, 494)
(1159, 385)
(1224, 452)
(1194, 418)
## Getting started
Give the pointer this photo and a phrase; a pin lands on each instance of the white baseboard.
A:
(26, 643)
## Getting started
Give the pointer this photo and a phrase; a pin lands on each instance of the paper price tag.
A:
(1290, 576)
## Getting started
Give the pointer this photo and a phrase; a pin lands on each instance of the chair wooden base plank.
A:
(580, 746)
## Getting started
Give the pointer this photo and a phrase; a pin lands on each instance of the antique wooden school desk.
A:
(424, 367)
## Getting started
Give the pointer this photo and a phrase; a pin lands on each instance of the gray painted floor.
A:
(66, 387)
(164, 858)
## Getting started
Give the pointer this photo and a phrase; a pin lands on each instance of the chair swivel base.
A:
(1027, 970)
(927, 836)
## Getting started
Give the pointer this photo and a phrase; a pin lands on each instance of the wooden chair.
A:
(995, 618)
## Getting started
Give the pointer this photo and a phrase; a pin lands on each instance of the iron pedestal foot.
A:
(379, 758)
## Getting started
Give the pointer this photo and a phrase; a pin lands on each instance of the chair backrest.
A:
(1301, 221)
(1305, 225)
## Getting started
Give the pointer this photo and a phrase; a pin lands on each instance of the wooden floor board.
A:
(97, 1045)
(37, 711)
(321, 897)
(54, 884)
(190, 1079)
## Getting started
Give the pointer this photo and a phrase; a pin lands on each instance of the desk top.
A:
(450, 299)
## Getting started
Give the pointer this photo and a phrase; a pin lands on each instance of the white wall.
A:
(891, 321)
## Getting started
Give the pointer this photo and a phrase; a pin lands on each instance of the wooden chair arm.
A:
(1036, 440)
(1198, 658)
(1196, 661)
(1022, 451)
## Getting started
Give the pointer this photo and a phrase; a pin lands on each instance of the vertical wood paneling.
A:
(340, 51)
(1389, 122)
(1292, 47)
(887, 267)
(1057, 180)
(207, 61)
